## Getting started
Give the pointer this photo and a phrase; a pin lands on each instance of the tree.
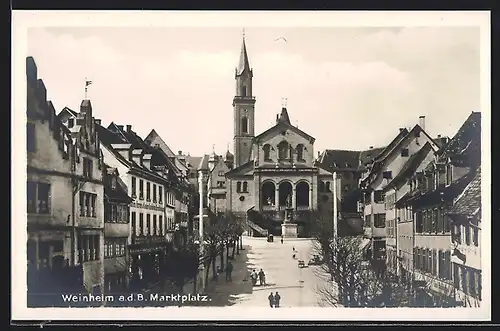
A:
(186, 261)
(352, 281)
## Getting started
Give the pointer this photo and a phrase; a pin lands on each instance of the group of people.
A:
(260, 276)
(274, 300)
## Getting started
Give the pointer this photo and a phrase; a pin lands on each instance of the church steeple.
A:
(244, 64)
(244, 109)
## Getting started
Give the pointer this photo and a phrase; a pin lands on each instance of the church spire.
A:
(244, 64)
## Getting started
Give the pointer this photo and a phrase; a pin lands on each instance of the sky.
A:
(349, 87)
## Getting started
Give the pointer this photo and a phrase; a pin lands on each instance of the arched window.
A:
(238, 187)
(327, 187)
(322, 186)
(243, 91)
(245, 187)
(244, 125)
(267, 152)
(300, 152)
(283, 150)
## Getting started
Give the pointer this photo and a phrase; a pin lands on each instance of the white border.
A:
(21, 20)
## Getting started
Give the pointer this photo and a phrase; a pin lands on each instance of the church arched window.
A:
(283, 150)
(243, 91)
(300, 152)
(245, 187)
(238, 187)
(244, 125)
(267, 152)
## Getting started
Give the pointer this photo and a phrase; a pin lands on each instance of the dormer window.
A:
(405, 152)
(387, 175)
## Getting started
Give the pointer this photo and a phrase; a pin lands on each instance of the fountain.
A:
(288, 229)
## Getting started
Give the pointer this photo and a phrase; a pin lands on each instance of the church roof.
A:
(283, 122)
(243, 64)
(284, 116)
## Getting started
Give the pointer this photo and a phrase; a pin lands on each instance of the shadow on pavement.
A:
(224, 293)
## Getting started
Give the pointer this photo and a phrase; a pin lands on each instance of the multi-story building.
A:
(89, 193)
(51, 189)
(145, 181)
(116, 231)
(385, 167)
(216, 181)
(433, 192)
(466, 243)
(399, 226)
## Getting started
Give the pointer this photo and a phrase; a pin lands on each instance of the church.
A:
(270, 172)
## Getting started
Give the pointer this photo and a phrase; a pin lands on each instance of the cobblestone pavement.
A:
(296, 286)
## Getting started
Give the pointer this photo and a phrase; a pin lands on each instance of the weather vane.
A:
(285, 101)
(243, 33)
(87, 83)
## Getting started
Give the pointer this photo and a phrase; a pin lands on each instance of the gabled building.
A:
(150, 240)
(116, 231)
(54, 264)
(433, 193)
(386, 166)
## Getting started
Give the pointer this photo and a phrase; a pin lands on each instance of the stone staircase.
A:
(257, 228)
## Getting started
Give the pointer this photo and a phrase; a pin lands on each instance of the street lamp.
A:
(201, 180)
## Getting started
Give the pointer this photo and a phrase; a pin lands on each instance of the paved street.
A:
(296, 286)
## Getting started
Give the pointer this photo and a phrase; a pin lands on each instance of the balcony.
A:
(116, 229)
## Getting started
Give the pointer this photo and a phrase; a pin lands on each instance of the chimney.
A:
(401, 129)
(98, 121)
(146, 161)
(120, 127)
(371, 147)
(129, 127)
(179, 152)
(421, 122)
(439, 136)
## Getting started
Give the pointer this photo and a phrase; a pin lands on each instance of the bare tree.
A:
(352, 281)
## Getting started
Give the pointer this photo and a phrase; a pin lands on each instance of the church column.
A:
(310, 197)
(294, 197)
(277, 197)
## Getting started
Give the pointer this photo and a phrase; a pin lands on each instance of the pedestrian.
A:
(229, 270)
(277, 299)
(281, 239)
(271, 300)
(262, 277)
(293, 248)
(254, 277)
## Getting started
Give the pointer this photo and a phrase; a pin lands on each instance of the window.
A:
(322, 186)
(243, 91)
(456, 276)
(141, 224)
(30, 137)
(148, 191)
(327, 187)
(155, 226)
(221, 173)
(434, 221)
(160, 194)
(434, 263)
(221, 184)
(378, 196)
(134, 223)
(379, 220)
(449, 174)
(154, 192)
(87, 167)
(283, 150)
(134, 188)
(405, 152)
(244, 124)
(141, 189)
(71, 122)
(88, 204)
(38, 198)
(467, 234)
(267, 152)
(300, 152)
(475, 234)
(148, 224)
(464, 283)
(238, 187)
(387, 175)
(88, 248)
(419, 223)
(161, 225)
(245, 187)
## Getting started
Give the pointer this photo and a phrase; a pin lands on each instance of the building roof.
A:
(68, 110)
(403, 132)
(193, 162)
(345, 159)
(469, 202)
(203, 165)
(283, 123)
(119, 192)
(367, 156)
(243, 64)
(411, 165)
(465, 146)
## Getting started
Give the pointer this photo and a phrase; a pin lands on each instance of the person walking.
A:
(281, 239)
(277, 299)
(271, 300)
(229, 270)
(254, 277)
(262, 277)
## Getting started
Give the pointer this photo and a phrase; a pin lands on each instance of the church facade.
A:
(269, 172)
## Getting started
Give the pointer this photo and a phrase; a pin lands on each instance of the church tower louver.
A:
(243, 109)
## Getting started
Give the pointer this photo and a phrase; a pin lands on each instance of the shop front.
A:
(146, 263)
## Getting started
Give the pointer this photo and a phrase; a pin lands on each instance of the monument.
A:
(288, 229)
